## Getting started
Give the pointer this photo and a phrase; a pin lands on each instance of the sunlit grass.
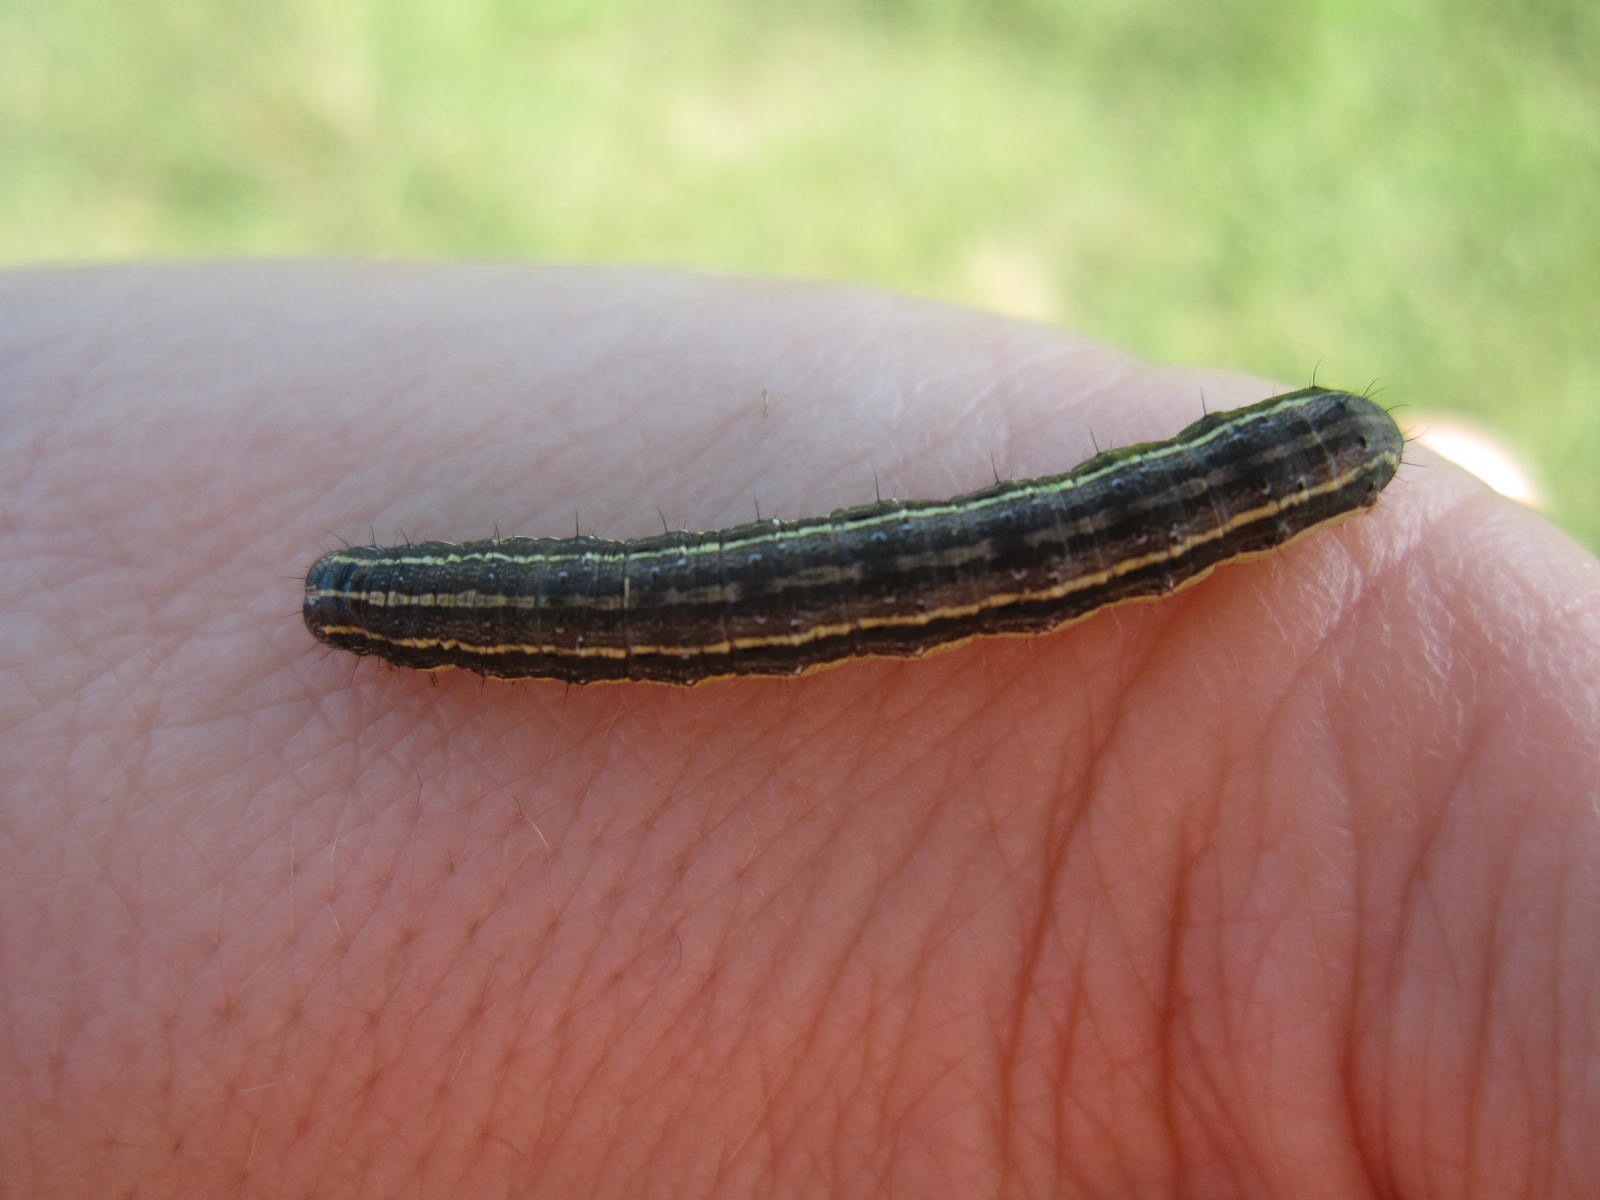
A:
(1405, 194)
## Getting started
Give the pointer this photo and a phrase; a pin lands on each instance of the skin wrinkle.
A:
(911, 1096)
(1104, 752)
(1571, 1047)
(1042, 929)
(1376, 1155)
(716, 1068)
(1204, 1144)
(1511, 995)
(1154, 994)
(1579, 1043)
(1082, 1037)
(924, 1140)
(1066, 826)
(1269, 844)
(784, 887)
(456, 1047)
(1183, 1105)
(1003, 1050)
(927, 984)
(802, 1044)
(827, 986)
(1319, 652)
(1345, 1053)
(775, 1137)
(1418, 899)
(1485, 1159)
(1245, 1040)
(731, 1156)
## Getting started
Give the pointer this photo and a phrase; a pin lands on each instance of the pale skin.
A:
(1287, 886)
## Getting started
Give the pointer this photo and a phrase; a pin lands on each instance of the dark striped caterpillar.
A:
(891, 578)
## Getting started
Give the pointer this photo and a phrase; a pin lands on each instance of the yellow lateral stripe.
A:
(899, 620)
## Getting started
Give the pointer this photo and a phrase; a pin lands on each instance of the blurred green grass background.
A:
(1401, 193)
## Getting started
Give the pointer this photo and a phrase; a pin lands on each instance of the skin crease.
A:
(1284, 887)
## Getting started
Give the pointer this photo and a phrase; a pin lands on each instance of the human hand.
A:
(1284, 886)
